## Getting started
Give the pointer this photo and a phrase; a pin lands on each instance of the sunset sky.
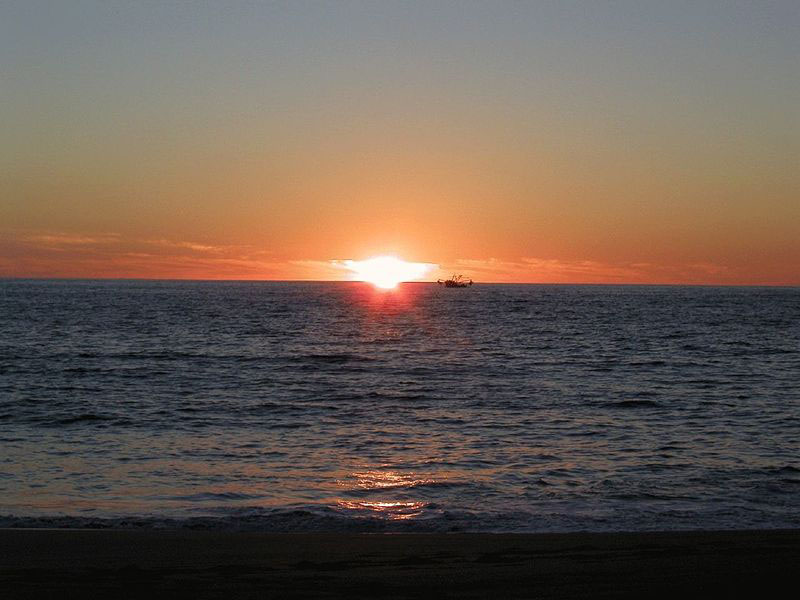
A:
(528, 142)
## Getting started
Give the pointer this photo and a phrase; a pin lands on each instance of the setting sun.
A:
(386, 271)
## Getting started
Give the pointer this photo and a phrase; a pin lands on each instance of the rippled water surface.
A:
(329, 406)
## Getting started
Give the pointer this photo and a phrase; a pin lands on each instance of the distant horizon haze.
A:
(425, 281)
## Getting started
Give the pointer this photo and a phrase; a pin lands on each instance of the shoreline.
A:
(215, 564)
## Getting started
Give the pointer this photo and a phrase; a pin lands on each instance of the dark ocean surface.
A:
(334, 406)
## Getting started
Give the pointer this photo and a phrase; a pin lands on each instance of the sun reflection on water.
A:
(375, 480)
(395, 511)
(372, 480)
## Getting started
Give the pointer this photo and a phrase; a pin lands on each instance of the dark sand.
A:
(169, 564)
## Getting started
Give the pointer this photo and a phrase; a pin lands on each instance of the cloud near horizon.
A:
(50, 254)
(551, 270)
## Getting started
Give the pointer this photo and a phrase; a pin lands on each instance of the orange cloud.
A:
(552, 270)
(51, 254)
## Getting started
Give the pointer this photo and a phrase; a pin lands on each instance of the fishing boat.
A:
(456, 281)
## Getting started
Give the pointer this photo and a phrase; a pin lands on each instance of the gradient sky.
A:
(542, 141)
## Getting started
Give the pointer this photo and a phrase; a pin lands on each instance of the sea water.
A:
(337, 406)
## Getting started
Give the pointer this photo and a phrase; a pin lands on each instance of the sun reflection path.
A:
(372, 480)
(375, 480)
(396, 511)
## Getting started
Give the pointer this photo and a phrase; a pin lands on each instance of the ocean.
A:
(283, 406)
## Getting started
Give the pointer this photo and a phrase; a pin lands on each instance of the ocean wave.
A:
(82, 418)
(207, 496)
(633, 404)
(345, 517)
(333, 358)
(420, 517)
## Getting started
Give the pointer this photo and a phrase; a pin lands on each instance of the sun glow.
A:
(386, 271)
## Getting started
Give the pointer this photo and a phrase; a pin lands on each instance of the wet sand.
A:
(170, 564)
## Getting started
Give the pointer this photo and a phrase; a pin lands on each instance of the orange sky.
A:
(528, 144)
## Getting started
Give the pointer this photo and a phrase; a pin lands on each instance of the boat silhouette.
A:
(456, 281)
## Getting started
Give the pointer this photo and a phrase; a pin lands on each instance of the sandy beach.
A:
(139, 564)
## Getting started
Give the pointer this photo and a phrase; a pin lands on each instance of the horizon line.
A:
(541, 283)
